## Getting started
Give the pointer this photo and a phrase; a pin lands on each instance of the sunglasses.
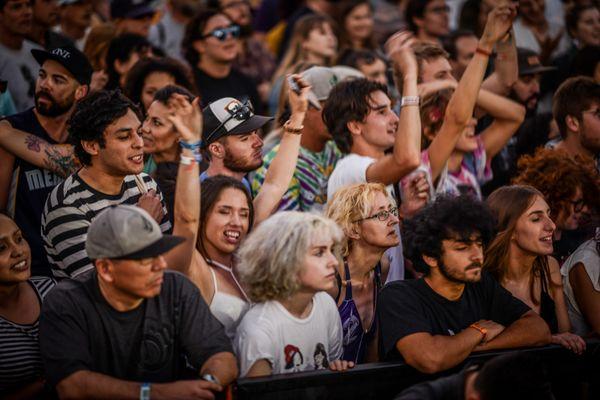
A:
(222, 33)
(239, 111)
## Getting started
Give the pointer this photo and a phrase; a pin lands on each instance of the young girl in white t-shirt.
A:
(287, 264)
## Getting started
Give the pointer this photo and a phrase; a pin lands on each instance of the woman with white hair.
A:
(369, 218)
(287, 264)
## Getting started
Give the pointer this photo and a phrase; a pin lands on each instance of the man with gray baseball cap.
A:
(130, 321)
(318, 153)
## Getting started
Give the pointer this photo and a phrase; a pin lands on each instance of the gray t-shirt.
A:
(20, 69)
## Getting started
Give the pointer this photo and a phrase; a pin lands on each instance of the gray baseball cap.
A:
(323, 79)
(127, 232)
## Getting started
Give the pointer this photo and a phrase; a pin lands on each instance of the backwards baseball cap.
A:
(529, 62)
(69, 57)
(323, 79)
(229, 116)
(126, 232)
(131, 8)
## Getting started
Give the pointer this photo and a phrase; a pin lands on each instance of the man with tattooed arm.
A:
(63, 78)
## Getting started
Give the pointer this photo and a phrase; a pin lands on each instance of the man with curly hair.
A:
(435, 322)
(105, 132)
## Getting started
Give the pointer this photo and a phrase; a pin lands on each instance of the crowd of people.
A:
(197, 191)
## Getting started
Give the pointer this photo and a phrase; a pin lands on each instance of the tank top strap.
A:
(347, 280)
(216, 264)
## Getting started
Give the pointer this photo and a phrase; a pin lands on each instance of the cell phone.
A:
(293, 85)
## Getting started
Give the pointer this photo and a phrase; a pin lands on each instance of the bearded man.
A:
(63, 79)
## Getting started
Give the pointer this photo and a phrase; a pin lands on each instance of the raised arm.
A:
(281, 170)
(506, 68)
(460, 107)
(187, 120)
(405, 156)
(58, 158)
(508, 116)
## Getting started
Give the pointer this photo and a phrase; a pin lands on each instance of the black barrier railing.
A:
(572, 377)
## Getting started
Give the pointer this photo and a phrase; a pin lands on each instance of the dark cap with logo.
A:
(126, 232)
(131, 8)
(229, 116)
(69, 57)
(529, 62)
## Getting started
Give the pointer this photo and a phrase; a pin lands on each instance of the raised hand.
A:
(186, 117)
(399, 49)
(499, 22)
(298, 101)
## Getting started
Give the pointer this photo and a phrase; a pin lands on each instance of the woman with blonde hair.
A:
(369, 219)
(519, 258)
(287, 264)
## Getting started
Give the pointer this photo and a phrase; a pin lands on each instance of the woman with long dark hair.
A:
(519, 258)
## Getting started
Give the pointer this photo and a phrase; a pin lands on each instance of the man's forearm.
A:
(407, 146)
(223, 366)
(529, 330)
(92, 385)
(58, 158)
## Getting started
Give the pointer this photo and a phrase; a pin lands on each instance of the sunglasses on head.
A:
(222, 33)
(239, 111)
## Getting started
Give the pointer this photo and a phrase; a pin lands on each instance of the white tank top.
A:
(227, 308)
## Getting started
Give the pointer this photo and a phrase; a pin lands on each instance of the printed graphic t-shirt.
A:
(268, 331)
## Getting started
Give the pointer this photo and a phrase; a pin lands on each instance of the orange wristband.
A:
(482, 51)
(481, 330)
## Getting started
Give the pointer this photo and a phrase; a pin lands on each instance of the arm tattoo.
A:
(33, 143)
(64, 165)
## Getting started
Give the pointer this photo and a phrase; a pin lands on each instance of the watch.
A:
(210, 378)
(145, 391)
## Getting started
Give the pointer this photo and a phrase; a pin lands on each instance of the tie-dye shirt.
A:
(308, 187)
(474, 171)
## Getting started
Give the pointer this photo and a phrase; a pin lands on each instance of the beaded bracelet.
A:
(295, 131)
(410, 101)
(191, 146)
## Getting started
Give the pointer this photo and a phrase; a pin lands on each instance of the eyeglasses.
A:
(382, 215)
(595, 112)
(222, 33)
(578, 205)
(239, 111)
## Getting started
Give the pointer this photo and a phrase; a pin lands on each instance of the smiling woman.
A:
(519, 258)
(21, 374)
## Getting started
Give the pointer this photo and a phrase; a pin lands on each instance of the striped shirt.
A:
(70, 210)
(308, 187)
(20, 359)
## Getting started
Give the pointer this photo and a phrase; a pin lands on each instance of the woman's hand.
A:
(341, 365)
(570, 341)
(186, 117)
